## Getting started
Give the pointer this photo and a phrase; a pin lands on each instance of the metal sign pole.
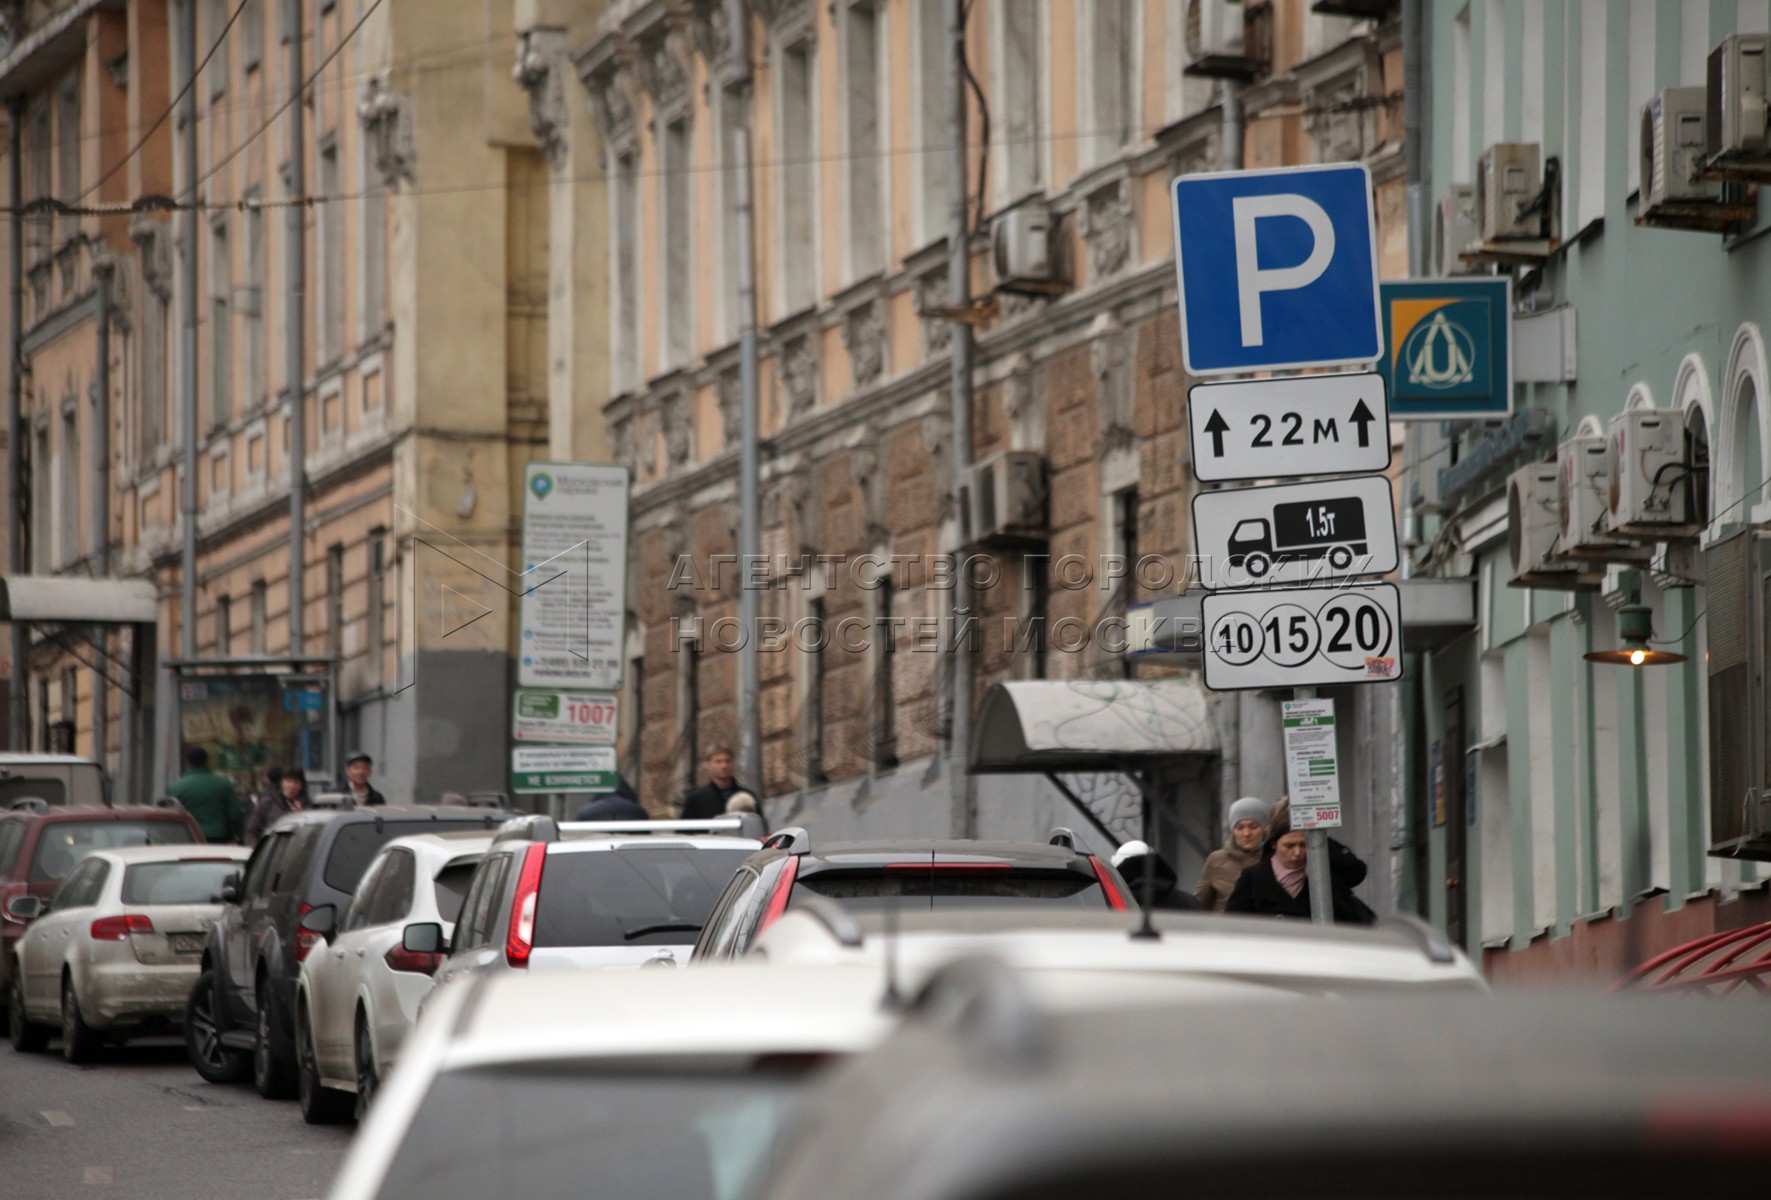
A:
(1316, 846)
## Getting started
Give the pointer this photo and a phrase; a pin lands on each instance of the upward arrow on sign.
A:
(1217, 427)
(1362, 418)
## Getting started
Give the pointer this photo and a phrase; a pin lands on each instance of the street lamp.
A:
(1635, 628)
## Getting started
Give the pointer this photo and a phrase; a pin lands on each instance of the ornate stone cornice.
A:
(541, 69)
(152, 237)
(788, 20)
(386, 116)
(720, 45)
(604, 70)
(660, 51)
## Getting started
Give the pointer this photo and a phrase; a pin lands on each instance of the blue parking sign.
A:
(1277, 269)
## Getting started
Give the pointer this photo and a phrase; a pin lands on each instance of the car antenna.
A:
(893, 997)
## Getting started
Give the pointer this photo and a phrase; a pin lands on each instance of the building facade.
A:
(1562, 808)
(421, 373)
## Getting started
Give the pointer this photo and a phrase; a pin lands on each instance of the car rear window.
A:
(609, 897)
(944, 889)
(50, 791)
(357, 843)
(61, 844)
(451, 884)
(558, 1132)
(192, 881)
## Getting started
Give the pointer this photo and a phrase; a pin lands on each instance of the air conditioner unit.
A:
(1508, 178)
(1583, 495)
(1738, 121)
(1650, 480)
(1217, 39)
(1456, 228)
(1022, 248)
(1005, 498)
(1534, 525)
(1672, 153)
(1735, 580)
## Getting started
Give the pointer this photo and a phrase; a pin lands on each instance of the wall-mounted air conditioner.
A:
(1735, 570)
(1650, 497)
(1738, 117)
(1509, 176)
(1456, 228)
(1534, 526)
(1583, 500)
(1673, 150)
(1227, 39)
(1005, 498)
(1023, 251)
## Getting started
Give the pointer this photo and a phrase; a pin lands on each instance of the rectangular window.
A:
(731, 235)
(885, 700)
(335, 601)
(812, 715)
(221, 327)
(67, 148)
(152, 429)
(38, 150)
(377, 602)
(634, 717)
(1642, 19)
(374, 217)
(42, 482)
(931, 118)
(1110, 109)
(251, 34)
(1595, 18)
(1463, 155)
(627, 276)
(260, 621)
(215, 19)
(331, 231)
(679, 287)
(1018, 101)
(68, 484)
(861, 122)
(799, 210)
(224, 626)
(249, 300)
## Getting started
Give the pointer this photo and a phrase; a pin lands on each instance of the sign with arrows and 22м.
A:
(1307, 425)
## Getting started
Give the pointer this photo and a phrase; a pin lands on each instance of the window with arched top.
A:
(1691, 396)
(1743, 450)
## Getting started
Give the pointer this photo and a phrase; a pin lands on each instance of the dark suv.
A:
(40, 843)
(926, 875)
(241, 1011)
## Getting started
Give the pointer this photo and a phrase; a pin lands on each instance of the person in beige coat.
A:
(1247, 821)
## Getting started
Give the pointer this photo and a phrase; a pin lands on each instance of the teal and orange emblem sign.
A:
(1447, 348)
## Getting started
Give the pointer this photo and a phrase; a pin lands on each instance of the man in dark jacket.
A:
(622, 804)
(1279, 885)
(709, 800)
(209, 798)
(357, 786)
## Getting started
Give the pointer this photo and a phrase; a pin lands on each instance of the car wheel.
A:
(28, 1037)
(1256, 565)
(368, 1078)
(320, 1105)
(202, 1035)
(1340, 557)
(79, 1041)
(270, 1074)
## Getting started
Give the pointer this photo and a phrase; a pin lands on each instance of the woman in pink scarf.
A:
(1279, 885)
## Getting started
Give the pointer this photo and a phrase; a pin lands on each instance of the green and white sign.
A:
(564, 718)
(574, 598)
(1311, 769)
(535, 769)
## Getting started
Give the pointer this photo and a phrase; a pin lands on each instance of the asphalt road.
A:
(140, 1124)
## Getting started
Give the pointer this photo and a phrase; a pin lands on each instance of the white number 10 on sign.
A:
(1302, 637)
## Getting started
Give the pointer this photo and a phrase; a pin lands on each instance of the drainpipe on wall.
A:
(186, 55)
(959, 295)
(1228, 705)
(1230, 100)
(750, 742)
(100, 510)
(294, 333)
(1414, 149)
(20, 732)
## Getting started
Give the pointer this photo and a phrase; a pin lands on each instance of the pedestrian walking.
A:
(1246, 822)
(357, 786)
(622, 804)
(710, 799)
(1134, 861)
(1279, 885)
(208, 797)
(290, 796)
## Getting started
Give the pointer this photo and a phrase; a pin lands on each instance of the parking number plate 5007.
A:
(187, 943)
(1302, 637)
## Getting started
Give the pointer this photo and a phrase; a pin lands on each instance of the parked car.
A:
(909, 875)
(240, 1015)
(55, 779)
(594, 893)
(40, 844)
(115, 952)
(1399, 952)
(630, 1085)
(359, 991)
(985, 1093)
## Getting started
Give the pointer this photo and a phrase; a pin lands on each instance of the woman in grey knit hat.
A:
(1247, 824)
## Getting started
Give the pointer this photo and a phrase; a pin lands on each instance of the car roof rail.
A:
(982, 1000)
(713, 826)
(793, 839)
(1062, 836)
(834, 917)
(29, 804)
(167, 802)
(532, 827)
(1425, 938)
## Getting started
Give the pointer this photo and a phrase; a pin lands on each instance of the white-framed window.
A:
(260, 602)
(863, 131)
(676, 189)
(68, 145)
(249, 301)
(331, 253)
(729, 112)
(373, 215)
(1595, 28)
(151, 427)
(67, 486)
(215, 19)
(43, 480)
(929, 129)
(1110, 46)
(624, 232)
(797, 69)
(1018, 122)
(221, 324)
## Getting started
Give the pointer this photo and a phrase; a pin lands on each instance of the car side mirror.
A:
(425, 937)
(26, 908)
(321, 920)
(230, 889)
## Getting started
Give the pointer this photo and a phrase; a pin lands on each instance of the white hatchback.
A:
(119, 945)
(360, 989)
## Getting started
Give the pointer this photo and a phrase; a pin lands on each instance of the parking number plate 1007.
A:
(1302, 637)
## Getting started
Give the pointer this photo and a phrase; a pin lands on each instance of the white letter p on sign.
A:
(1251, 279)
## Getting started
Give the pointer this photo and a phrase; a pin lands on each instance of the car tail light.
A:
(1114, 899)
(305, 939)
(118, 929)
(398, 958)
(778, 897)
(521, 938)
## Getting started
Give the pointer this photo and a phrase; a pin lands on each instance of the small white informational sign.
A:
(565, 718)
(540, 769)
(1312, 772)
(574, 580)
(1295, 533)
(1302, 637)
(1305, 425)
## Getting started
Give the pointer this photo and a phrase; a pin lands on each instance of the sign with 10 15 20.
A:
(1302, 637)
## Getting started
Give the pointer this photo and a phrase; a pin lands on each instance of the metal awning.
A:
(47, 50)
(78, 601)
(1046, 725)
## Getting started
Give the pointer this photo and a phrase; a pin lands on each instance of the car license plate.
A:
(187, 943)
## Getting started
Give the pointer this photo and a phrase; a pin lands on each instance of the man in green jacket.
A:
(209, 798)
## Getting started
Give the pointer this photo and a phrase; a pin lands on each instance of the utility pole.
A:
(17, 692)
(294, 334)
(959, 295)
(750, 748)
(187, 347)
(103, 271)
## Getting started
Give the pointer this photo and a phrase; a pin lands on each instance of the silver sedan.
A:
(117, 948)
